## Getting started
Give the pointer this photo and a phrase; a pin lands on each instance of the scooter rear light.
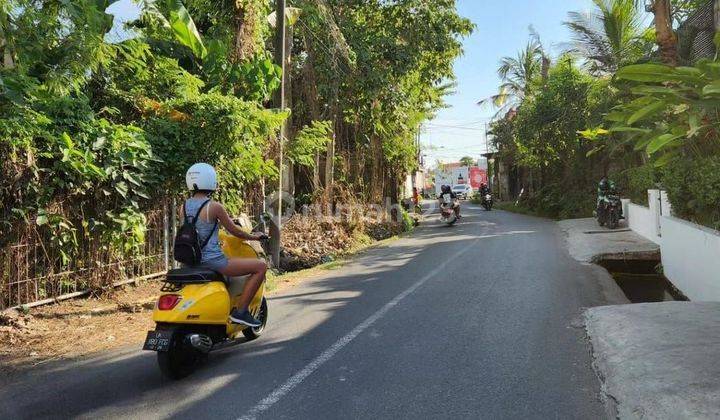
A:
(167, 302)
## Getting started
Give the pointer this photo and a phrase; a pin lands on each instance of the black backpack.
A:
(188, 249)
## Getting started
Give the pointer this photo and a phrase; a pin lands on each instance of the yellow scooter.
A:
(191, 315)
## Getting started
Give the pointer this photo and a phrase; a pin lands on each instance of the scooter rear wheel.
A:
(179, 362)
(262, 316)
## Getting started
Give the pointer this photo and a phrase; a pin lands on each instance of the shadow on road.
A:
(304, 321)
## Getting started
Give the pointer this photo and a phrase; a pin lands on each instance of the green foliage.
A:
(184, 28)
(542, 138)
(253, 80)
(172, 17)
(220, 130)
(75, 172)
(693, 186)
(312, 139)
(649, 124)
(386, 69)
(637, 182)
(407, 221)
(561, 200)
(612, 35)
(138, 75)
(467, 161)
(96, 134)
(55, 45)
(682, 9)
(671, 119)
(547, 124)
(518, 74)
(673, 113)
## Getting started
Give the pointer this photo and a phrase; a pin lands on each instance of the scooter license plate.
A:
(158, 341)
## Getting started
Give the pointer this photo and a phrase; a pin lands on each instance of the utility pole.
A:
(487, 149)
(280, 60)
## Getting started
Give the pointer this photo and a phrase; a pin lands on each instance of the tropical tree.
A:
(517, 74)
(612, 35)
(467, 161)
(665, 35)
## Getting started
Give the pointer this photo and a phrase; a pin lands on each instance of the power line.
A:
(455, 127)
(453, 149)
(462, 124)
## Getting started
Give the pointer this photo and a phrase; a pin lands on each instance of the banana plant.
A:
(173, 15)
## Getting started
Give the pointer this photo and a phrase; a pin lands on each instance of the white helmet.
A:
(201, 177)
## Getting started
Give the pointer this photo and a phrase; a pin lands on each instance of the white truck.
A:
(452, 177)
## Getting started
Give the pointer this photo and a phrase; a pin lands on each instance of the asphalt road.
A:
(481, 320)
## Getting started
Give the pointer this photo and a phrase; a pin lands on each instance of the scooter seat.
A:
(190, 275)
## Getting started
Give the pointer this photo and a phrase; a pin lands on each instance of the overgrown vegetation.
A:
(98, 125)
(541, 138)
(651, 123)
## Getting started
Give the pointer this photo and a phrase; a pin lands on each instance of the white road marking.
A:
(295, 380)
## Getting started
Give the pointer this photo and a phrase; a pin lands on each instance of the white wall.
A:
(665, 207)
(643, 222)
(442, 178)
(691, 258)
(407, 187)
(690, 253)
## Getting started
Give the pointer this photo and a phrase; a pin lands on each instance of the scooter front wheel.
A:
(614, 220)
(262, 316)
(178, 362)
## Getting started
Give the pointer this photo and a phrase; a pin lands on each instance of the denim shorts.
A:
(216, 264)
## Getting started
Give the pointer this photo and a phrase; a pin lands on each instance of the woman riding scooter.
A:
(201, 180)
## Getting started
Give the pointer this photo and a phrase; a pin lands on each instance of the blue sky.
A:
(124, 11)
(502, 29)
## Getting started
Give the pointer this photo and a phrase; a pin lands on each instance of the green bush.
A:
(559, 202)
(220, 130)
(693, 187)
(75, 174)
(408, 221)
(635, 182)
(79, 174)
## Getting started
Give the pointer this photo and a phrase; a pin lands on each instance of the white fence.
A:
(690, 253)
(642, 221)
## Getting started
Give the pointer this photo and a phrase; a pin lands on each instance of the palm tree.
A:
(666, 38)
(517, 74)
(467, 161)
(611, 36)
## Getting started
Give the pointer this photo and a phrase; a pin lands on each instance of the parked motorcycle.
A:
(487, 202)
(609, 211)
(191, 315)
(447, 210)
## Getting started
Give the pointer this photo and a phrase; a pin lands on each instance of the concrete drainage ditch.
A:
(639, 278)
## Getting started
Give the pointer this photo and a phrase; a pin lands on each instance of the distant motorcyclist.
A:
(484, 190)
(485, 196)
(446, 190)
(606, 188)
